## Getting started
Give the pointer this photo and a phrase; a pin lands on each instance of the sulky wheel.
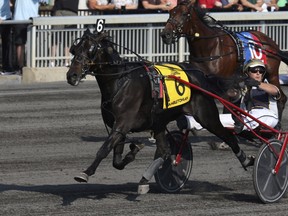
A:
(270, 187)
(171, 178)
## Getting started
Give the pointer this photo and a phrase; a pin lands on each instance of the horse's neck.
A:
(108, 80)
(205, 43)
(204, 47)
(199, 28)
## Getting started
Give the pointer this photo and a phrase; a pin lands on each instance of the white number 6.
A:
(100, 23)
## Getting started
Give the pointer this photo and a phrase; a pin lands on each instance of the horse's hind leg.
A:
(281, 104)
(208, 117)
(162, 151)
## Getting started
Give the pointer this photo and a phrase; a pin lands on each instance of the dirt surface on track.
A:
(51, 132)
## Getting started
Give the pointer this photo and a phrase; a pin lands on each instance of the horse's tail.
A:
(283, 55)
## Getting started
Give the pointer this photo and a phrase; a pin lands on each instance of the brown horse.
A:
(217, 51)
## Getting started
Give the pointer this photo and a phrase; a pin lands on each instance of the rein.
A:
(178, 32)
(86, 68)
(118, 73)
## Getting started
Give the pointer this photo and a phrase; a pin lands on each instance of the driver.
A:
(259, 101)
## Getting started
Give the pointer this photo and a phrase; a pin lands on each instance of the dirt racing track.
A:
(51, 132)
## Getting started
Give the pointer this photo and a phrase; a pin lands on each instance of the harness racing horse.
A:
(128, 104)
(217, 51)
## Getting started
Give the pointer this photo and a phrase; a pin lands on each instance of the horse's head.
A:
(175, 26)
(182, 21)
(90, 52)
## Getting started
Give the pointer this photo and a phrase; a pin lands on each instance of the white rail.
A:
(138, 33)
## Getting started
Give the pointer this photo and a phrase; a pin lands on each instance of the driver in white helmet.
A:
(259, 101)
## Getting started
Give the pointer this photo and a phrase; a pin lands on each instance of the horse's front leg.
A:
(113, 139)
(163, 152)
(120, 163)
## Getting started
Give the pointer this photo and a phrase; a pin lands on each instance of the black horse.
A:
(128, 104)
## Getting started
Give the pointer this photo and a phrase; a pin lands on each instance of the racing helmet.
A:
(252, 63)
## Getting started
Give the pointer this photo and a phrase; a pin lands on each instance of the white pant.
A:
(266, 116)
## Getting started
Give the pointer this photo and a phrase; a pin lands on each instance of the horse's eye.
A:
(92, 51)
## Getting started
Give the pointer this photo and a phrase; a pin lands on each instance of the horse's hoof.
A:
(223, 146)
(248, 162)
(152, 139)
(120, 166)
(83, 177)
(143, 189)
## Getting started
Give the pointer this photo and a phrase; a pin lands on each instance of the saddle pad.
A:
(250, 50)
(174, 92)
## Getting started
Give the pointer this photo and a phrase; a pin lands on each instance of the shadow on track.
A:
(73, 192)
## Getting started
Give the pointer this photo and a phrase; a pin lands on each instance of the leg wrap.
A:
(245, 161)
(154, 166)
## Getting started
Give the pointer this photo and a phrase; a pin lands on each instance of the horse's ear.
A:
(103, 34)
(87, 31)
(187, 2)
(106, 33)
(110, 50)
(193, 2)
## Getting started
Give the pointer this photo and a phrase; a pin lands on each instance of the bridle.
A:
(186, 17)
(178, 26)
(88, 61)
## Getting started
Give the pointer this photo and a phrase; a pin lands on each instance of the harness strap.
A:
(209, 58)
(155, 83)
(164, 87)
(156, 88)
(240, 51)
(237, 41)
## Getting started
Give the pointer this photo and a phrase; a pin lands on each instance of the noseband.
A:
(178, 25)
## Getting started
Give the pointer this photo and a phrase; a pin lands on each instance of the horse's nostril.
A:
(168, 35)
(72, 79)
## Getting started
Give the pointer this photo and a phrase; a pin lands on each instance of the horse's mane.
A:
(103, 36)
(204, 17)
(109, 46)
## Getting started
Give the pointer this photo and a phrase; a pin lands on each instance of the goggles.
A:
(259, 69)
